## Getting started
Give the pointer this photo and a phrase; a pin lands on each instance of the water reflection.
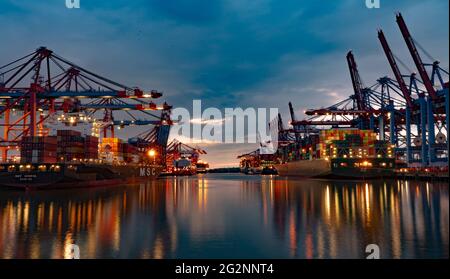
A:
(334, 220)
(220, 216)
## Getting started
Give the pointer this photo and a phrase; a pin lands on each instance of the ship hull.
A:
(304, 168)
(360, 173)
(326, 169)
(81, 176)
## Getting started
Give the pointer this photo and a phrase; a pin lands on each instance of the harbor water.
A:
(229, 216)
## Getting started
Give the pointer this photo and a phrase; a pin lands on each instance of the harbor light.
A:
(151, 153)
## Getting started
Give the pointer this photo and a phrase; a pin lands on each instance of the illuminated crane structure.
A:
(177, 150)
(432, 111)
(182, 150)
(281, 143)
(413, 116)
(43, 88)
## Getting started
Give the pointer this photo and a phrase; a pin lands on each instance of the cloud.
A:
(213, 122)
(188, 11)
(193, 140)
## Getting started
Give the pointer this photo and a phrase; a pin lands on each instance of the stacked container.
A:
(367, 136)
(129, 152)
(354, 142)
(91, 147)
(71, 145)
(38, 150)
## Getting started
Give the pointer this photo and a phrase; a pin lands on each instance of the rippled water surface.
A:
(229, 216)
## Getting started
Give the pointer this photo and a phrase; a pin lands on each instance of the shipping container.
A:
(36, 149)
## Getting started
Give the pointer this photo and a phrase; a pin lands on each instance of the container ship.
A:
(72, 160)
(338, 153)
(257, 163)
(42, 91)
(185, 167)
(202, 166)
(183, 160)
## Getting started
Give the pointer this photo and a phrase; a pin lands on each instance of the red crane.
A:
(60, 88)
(395, 69)
(178, 149)
(416, 57)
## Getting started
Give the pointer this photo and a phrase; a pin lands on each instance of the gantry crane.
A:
(405, 114)
(411, 103)
(42, 86)
(177, 150)
(433, 112)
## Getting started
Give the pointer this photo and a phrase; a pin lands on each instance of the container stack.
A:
(38, 150)
(129, 152)
(71, 145)
(308, 149)
(91, 147)
(354, 139)
(381, 149)
(367, 136)
(351, 143)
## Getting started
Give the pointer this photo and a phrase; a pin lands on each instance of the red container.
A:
(68, 133)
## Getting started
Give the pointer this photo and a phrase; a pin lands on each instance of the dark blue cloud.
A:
(188, 11)
(247, 50)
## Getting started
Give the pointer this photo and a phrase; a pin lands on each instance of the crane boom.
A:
(398, 76)
(280, 123)
(291, 111)
(293, 120)
(356, 81)
(416, 57)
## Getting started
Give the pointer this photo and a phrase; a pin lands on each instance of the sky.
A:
(227, 53)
